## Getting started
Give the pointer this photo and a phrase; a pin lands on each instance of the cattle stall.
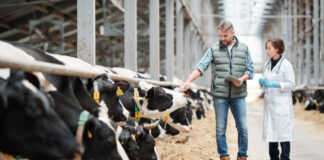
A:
(124, 60)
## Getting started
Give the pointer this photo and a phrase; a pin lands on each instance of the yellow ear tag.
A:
(137, 115)
(89, 134)
(166, 117)
(96, 96)
(296, 98)
(136, 93)
(119, 92)
(316, 103)
(122, 142)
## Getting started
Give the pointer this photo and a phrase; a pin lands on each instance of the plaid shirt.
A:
(204, 63)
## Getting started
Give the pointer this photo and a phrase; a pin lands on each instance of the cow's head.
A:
(160, 101)
(179, 120)
(128, 141)
(146, 144)
(128, 100)
(108, 96)
(100, 141)
(313, 102)
(99, 134)
(28, 125)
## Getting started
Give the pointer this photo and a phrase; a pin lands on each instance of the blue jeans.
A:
(238, 108)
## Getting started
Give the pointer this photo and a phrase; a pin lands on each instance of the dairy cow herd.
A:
(45, 116)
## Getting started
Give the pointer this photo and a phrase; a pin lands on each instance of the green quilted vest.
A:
(223, 65)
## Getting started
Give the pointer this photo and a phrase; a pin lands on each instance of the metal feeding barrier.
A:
(57, 69)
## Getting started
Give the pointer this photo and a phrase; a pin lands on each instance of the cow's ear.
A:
(123, 85)
(89, 84)
(150, 93)
(91, 126)
(142, 93)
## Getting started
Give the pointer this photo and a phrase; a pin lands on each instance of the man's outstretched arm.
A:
(193, 76)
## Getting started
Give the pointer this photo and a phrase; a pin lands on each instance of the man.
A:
(228, 57)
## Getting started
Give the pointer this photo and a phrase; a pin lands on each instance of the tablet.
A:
(231, 78)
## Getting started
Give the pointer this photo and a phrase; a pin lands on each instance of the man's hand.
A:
(238, 83)
(184, 87)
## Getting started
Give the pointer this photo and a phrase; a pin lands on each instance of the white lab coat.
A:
(278, 115)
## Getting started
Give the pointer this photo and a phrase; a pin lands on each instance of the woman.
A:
(278, 81)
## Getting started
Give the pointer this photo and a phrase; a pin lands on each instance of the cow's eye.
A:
(160, 92)
(34, 109)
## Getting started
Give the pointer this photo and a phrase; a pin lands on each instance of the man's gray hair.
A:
(226, 25)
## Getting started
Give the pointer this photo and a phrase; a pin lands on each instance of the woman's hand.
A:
(262, 81)
(271, 84)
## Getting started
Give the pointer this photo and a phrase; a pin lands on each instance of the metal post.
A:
(194, 51)
(86, 45)
(187, 50)
(295, 39)
(301, 49)
(154, 39)
(322, 43)
(169, 39)
(179, 40)
(308, 45)
(316, 43)
(130, 25)
(289, 31)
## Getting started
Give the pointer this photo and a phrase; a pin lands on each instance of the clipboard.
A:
(231, 79)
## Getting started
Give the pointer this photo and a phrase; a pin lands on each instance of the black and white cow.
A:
(146, 144)
(156, 103)
(179, 120)
(72, 87)
(98, 137)
(29, 127)
(316, 101)
(128, 140)
(196, 102)
(159, 101)
(298, 96)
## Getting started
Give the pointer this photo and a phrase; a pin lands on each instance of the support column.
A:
(154, 39)
(301, 46)
(316, 43)
(295, 39)
(86, 46)
(289, 41)
(322, 43)
(308, 45)
(130, 36)
(179, 40)
(169, 39)
(187, 50)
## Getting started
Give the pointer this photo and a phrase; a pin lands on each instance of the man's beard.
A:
(226, 42)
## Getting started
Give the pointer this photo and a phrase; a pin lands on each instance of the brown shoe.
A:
(225, 158)
(241, 158)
